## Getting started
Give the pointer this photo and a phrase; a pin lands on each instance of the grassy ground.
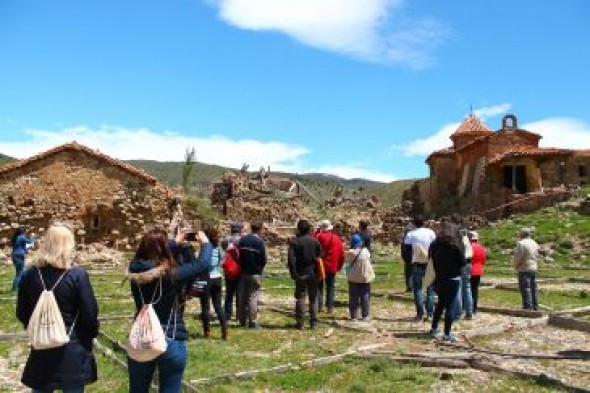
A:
(279, 344)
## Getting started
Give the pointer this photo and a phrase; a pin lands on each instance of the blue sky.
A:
(358, 88)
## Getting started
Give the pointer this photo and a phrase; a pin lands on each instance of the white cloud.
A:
(440, 139)
(425, 146)
(142, 143)
(488, 112)
(353, 172)
(373, 30)
(562, 132)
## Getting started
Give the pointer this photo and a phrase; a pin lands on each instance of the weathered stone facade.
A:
(485, 169)
(104, 199)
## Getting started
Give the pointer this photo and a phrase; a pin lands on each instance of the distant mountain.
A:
(320, 184)
(4, 159)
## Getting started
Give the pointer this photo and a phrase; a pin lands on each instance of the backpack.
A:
(231, 269)
(147, 339)
(46, 327)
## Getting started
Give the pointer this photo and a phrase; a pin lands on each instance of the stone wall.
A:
(102, 202)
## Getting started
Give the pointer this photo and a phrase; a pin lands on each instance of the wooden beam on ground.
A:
(505, 327)
(281, 369)
(543, 356)
(16, 336)
(574, 311)
(569, 322)
(511, 311)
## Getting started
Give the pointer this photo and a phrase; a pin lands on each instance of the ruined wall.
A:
(103, 202)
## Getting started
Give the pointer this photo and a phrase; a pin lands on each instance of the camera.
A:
(191, 236)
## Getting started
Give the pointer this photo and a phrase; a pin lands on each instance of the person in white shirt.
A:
(420, 239)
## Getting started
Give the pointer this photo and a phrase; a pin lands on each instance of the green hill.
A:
(321, 185)
(5, 159)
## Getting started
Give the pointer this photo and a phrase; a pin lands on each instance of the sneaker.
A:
(450, 338)
(419, 318)
(432, 333)
(366, 319)
(254, 326)
(468, 317)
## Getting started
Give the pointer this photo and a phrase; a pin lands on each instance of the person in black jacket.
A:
(252, 260)
(71, 366)
(448, 260)
(156, 275)
(304, 251)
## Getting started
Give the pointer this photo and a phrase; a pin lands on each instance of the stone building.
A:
(104, 199)
(485, 169)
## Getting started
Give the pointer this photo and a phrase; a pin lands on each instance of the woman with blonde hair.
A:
(71, 366)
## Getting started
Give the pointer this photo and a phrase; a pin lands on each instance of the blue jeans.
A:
(359, 293)
(447, 290)
(19, 264)
(330, 292)
(76, 390)
(527, 283)
(464, 298)
(418, 273)
(171, 365)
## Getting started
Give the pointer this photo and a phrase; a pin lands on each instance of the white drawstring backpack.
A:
(46, 327)
(147, 340)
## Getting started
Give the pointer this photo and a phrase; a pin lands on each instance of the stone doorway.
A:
(515, 178)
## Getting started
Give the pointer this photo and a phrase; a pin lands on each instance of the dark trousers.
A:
(447, 290)
(19, 264)
(408, 275)
(527, 282)
(231, 292)
(171, 365)
(475, 291)
(359, 293)
(212, 294)
(248, 294)
(301, 287)
(330, 284)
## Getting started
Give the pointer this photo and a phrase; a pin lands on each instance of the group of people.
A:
(450, 263)
(314, 260)
(165, 270)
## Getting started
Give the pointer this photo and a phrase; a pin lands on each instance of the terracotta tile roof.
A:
(449, 151)
(472, 125)
(76, 147)
(526, 151)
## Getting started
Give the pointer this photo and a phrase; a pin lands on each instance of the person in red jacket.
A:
(477, 261)
(333, 255)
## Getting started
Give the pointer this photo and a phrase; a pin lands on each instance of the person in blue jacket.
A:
(72, 366)
(20, 245)
(156, 276)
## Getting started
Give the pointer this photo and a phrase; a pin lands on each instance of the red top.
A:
(478, 260)
(332, 251)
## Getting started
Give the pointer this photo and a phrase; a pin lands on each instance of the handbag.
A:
(198, 287)
(320, 269)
